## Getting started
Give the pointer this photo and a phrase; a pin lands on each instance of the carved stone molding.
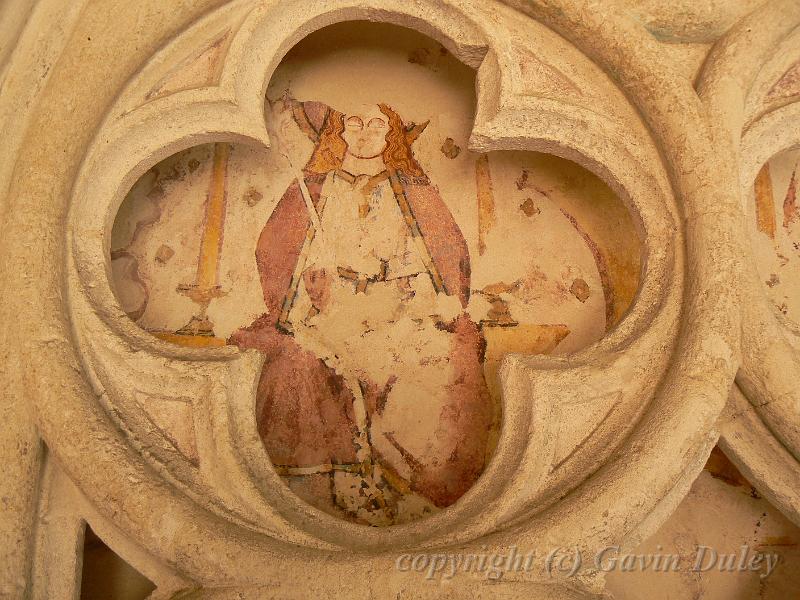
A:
(157, 445)
(746, 87)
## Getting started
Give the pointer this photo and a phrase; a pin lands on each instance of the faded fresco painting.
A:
(380, 267)
(775, 218)
(366, 276)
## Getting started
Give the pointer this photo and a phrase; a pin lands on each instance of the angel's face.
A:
(365, 132)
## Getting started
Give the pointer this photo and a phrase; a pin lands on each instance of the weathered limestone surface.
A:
(574, 416)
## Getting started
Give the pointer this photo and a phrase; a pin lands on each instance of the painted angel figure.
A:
(372, 390)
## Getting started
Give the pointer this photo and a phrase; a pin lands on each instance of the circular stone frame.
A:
(625, 498)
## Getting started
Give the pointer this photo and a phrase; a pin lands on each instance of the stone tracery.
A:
(660, 377)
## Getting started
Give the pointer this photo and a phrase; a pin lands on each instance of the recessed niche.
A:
(381, 267)
(775, 231)
(106, 575)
